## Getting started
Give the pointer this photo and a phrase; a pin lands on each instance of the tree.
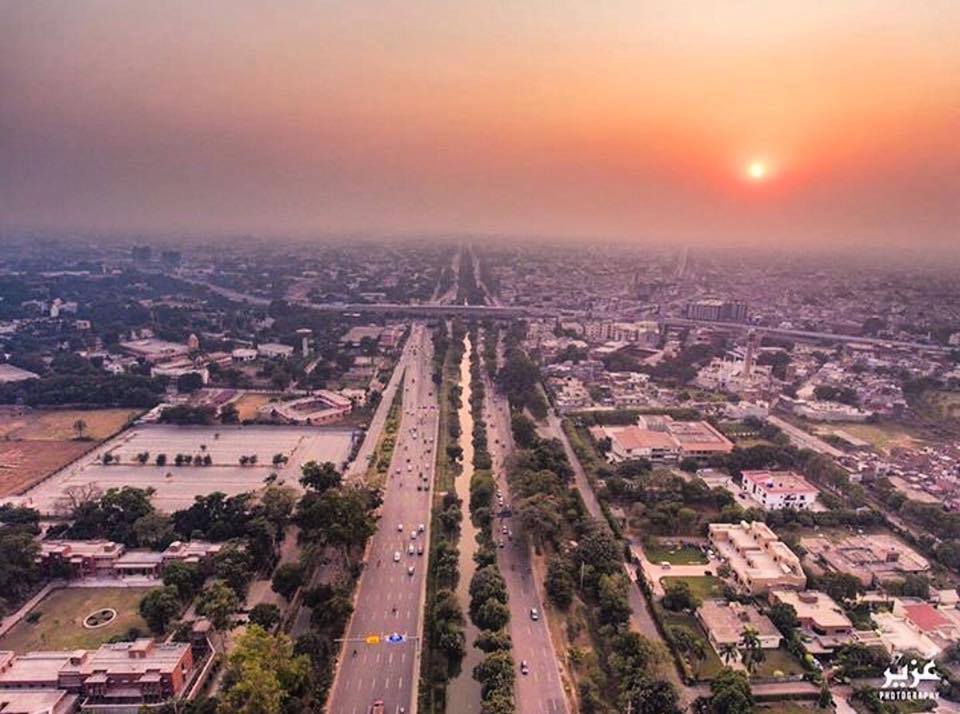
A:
(784, 616)
(79, 426)
(278, 503)
(559, 582)
(728, 652)
(488, 641)
(691, 466)
(751, 651)
(524, 430)
(218, 602)
(159, 606)
(286, 579)
(189, 382)
(679, 597)
(262, 674)
(495, 674)
(234, 567)
(651, 696)
(320, 477)
(185, 577)
(265, 614)
(731, 693)
(491, 614)
(153, 529)
(690, 645)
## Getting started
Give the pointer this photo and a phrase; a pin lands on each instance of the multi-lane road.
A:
(391, 592)
(541, 690)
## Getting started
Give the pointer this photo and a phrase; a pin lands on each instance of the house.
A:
(758, 559)
(724, 623)
(776, 490)
(824, 623)
(154, 350)
(876, 558)
(85, 558)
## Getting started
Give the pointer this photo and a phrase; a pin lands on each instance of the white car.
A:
(410, 550)
(413, 535)
(420, 528)
(396, 556)
(534, 614)
(410, 570)
(400, 527)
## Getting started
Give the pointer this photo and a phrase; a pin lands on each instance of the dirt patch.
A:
(58, 424)
(249, 404)
(26, 463)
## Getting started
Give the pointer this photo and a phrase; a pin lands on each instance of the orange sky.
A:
(632, 119)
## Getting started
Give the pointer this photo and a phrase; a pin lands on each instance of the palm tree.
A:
(728, 652)
(79, 426)
(750, 649)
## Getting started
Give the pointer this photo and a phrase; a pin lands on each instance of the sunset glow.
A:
(571, 118)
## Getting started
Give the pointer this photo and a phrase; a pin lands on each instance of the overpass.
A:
(806, 334)
(431, 309)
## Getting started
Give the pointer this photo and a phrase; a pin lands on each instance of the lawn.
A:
(60, 626)
(710, 666)
(704, 587)
(682, 554)
(778, 663)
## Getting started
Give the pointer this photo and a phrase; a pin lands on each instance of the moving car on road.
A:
(534, 614)
(396, 556)
(524, 667)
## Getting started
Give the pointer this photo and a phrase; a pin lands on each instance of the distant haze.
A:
(633, 119)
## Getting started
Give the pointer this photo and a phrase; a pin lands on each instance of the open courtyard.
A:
(176, 486)
(58, 620)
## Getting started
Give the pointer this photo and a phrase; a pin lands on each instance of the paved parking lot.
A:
(176, 486)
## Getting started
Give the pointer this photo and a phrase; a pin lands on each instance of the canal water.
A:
(463, 692)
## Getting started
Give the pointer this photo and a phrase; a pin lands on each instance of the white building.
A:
(274, 350)
(776, 490)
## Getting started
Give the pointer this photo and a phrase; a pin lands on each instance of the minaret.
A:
(751, 353)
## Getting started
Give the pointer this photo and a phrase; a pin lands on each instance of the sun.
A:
(757, 171)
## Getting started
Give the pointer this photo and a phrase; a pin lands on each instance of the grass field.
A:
(36, 442)
(57, 424)
(704, 587)
(777, 663)
(684, 554)
(882, 437)
(60, 626)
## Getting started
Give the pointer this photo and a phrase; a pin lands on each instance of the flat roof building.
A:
(776, 490)
(824, 623)
(154, 350)
(726, 621)
(758, 559)
(872, 559)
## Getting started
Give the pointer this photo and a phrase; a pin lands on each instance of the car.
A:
(500, 543)
(420, 549)
(411, 550)
(534, 614)
(524, 667)
(503, 529)
(410, 570)
(377, 707)
(420, 528)
(419, 487)
(413, 535)
(396, 556)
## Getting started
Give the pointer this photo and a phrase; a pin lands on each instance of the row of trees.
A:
(489, 608)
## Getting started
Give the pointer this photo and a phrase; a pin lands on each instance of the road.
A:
(802, 439)
(541, 690)
(641, 620)
(390, 597)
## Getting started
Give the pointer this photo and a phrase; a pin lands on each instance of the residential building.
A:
(758, 559)
(872, 559)
(85, 558)
(824, 623)
(776, 490)
(724, 623)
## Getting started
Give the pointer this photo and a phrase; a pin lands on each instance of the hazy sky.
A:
(627, 118)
